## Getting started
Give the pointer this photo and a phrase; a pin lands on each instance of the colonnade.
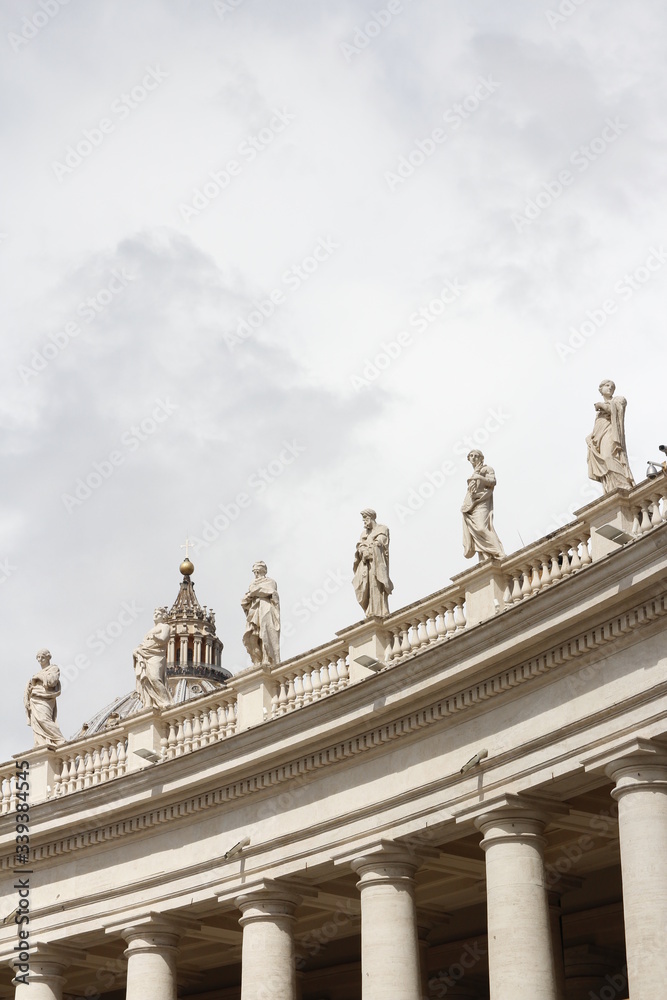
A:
(523, 962)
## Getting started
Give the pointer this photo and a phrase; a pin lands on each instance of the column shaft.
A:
(641, 792)
(151, 963)
(389, 941)
(268, 958)
(521, 964)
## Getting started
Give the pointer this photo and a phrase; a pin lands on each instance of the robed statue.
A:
(479, 535)
(372, 584)
(261, 605)
(607, 454)
(40, 702)
(150, 664)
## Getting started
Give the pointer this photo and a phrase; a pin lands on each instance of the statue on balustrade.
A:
(479, 535)
(371, 567)
(607, 455)
(150, 664)
(261, 605)
(40, 702)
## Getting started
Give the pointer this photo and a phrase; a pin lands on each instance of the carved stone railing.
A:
(7, 788)
(426, 623)
(306, 679)
(85, 763)
(258, 694)
(198, 723)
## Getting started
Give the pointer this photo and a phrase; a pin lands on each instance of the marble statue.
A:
(150, 664)
(479, 535)
(40, 702)
(371, 567)
(607, 455)
(261, 605)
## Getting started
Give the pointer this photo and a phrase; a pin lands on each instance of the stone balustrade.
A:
(303, 680)
(439, 617)
(198, 723)
(90, 762)
(257, 694)
(7, 788)
(537, 567)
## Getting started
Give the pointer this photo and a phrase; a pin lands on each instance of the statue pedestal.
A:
(367, 638)
(484, 588)
(44, 765)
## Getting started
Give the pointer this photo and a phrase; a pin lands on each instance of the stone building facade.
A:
(464, 799)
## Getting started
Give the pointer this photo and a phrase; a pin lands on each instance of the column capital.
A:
(46, 965)
(152, 932)
(271, 900)
(510, 816)
(385, 853)
(634, 753)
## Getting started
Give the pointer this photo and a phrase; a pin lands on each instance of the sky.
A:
(266, 264)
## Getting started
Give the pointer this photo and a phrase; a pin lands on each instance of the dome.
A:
(194, 659)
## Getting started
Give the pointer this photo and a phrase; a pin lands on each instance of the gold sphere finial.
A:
(187, 567)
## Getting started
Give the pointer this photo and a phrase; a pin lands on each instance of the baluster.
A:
(180, 739)
(646, 517)
(282, 698)
(187, 734)
(585, 551)
(298, 690)
(97, 765)
(575, 561)
(171, 739)
(556, 573)
(88, 777)
(517, 593)
(460, 617)
(656, 517)
(196, 732)
(231, 718)
(205, 729)
(317, 683)
(636, 528)
(526, 589)
(343, 672)
(421, 635)
(122, 757)
(535, 580)
(104, 763)
(213, 724)
(405, 640)
(113, 761)
(222, 720)
(440, 627)
(291, 694)
(333, 675)
(325, 679)
(275, 707)
(450, 622)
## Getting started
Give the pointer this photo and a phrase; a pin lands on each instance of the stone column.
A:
(151, 960)
(45, 978)
(389, 942)
(641, 793)
(521, 963)
(268, 967)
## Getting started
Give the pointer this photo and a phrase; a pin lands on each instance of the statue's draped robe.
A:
(607, 455)
(150, 667)
(262, 610)
(479, 535)
(371, 571)
(41, 707)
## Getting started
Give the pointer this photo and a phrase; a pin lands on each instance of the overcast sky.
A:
(265, 264)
